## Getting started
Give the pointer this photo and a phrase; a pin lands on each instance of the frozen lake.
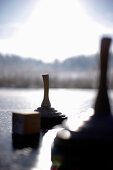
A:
(63, 99)
(75, 103)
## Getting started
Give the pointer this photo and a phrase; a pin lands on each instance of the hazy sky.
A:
(49, 29)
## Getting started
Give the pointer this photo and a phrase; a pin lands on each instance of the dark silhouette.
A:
(91, 146)
(102, 105)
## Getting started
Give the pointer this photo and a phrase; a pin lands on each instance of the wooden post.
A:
(46, 102)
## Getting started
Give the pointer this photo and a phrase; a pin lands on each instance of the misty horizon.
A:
(73, 72)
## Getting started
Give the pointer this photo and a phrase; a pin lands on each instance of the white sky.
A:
(56, 29)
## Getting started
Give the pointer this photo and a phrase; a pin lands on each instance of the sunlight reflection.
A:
(75, 122)
(84, 116)
(44, 158)
(64, 134)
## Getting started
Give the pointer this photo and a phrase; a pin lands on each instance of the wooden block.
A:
(25, 122)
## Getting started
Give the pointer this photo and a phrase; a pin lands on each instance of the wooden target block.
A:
(25, 122)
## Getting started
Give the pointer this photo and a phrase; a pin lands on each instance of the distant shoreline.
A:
(74, 72)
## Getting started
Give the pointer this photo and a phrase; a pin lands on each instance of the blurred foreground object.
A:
(91, 146)
(25, 122)
(49, 116)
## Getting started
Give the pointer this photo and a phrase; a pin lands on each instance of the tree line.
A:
(74, 72)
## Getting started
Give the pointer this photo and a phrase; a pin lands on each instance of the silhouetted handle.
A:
(46, 102)
(104, 55)
(102, 105)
